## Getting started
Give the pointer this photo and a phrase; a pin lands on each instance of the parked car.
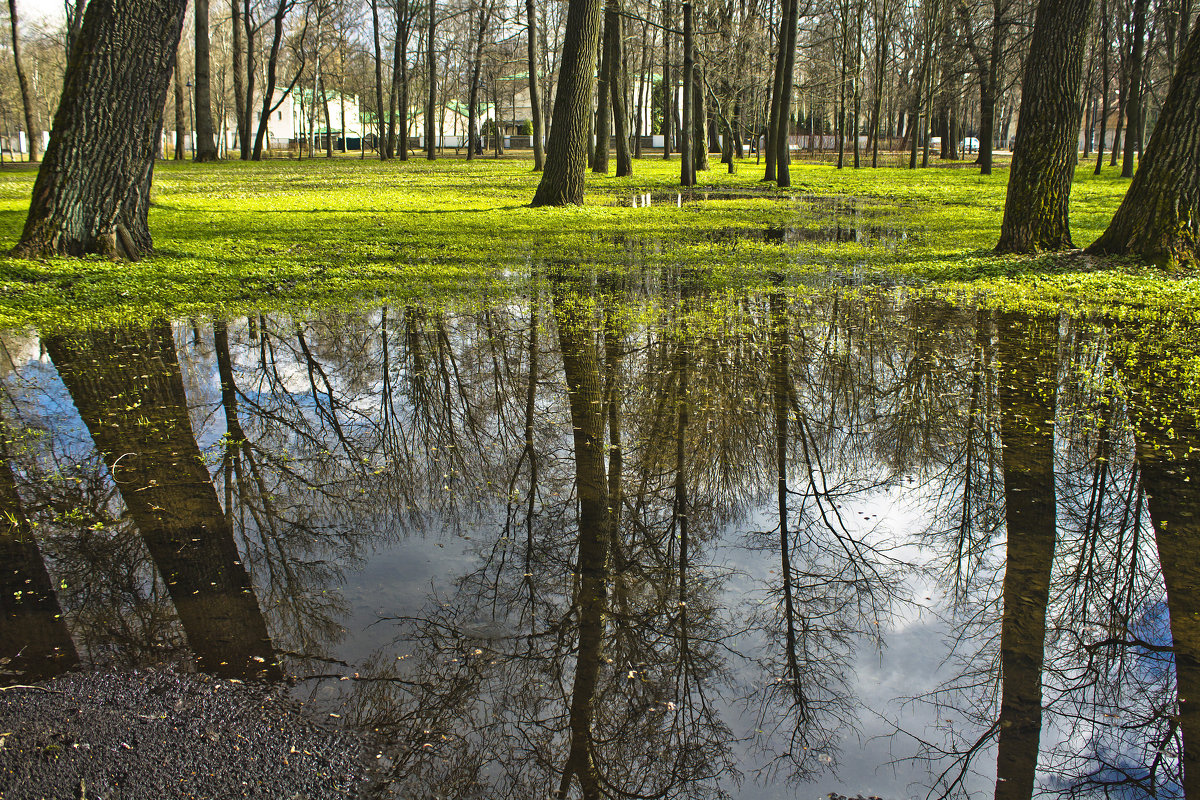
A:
(969, 145)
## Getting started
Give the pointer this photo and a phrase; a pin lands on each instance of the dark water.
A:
(671, 545)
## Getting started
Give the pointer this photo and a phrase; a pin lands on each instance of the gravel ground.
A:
(162, 734)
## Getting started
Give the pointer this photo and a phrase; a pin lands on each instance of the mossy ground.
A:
(278, 233)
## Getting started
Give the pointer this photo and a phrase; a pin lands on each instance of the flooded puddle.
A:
(661, 546)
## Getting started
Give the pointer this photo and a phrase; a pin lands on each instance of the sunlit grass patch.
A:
(261, 235)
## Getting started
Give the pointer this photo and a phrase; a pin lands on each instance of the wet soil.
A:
(118, 735)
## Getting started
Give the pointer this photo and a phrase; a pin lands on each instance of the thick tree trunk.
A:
(535, 98)
(93, 189)
(1036, 210)
(31, 130)
(1028, 354)
(129, 391)
(205, 147)
(1159, 219)
(562, 180)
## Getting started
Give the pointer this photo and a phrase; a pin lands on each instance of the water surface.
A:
(671, 544)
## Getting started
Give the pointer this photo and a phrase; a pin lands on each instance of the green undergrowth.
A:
(237, 236)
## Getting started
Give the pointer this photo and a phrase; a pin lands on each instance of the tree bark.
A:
(379, 120)
(247, 112)
(180, 113)
(787, 41)
(281, 11)
(668, 85)
(431, 101)
(535, 98)
(1105, 76)
(1134, 105)
(562, 180)
(31, 130)
(239, 89)
(699, 119)
(616, 87)
(205, 147)
(687, 131)
(603, 98)
(93, 190)
(1036, 210)
(1159, 219)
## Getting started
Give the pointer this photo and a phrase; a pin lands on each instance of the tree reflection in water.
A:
(681, 520)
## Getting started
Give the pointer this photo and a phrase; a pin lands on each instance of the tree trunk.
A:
(205, 147)
(700, 141)
(180, 112)
(778, 105)
(787, 40)
(473, 140)
(668, 85)
(264, 116)
(383, 155)
(1105, 47)
(1036, 210)
(618, 78)
(403, 27)
(431, 101)
(239, 89)
(535, 99)
(93, 189)
(1159, 219)
(1028, 354)
(1134, 107)
(562, 180)
(687, 131)
(31, 130)
(251, 35)
(603, 98)
(328, 122)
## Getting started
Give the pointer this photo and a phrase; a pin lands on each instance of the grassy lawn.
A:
(239, 235)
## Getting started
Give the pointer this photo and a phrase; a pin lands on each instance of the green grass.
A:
(239, 235)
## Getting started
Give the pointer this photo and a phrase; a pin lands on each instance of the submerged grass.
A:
(239, 235)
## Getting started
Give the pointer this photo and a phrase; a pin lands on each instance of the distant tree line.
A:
(721, 75)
